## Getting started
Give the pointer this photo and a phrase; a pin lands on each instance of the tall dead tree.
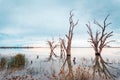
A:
(69, 36)
(98, 41)
(67, 47)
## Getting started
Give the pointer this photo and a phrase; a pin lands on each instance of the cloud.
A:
(36, 19)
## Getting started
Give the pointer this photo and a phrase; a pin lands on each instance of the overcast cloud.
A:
(32, 22)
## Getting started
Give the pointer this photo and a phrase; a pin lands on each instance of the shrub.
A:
(3, 62)
(17, 61)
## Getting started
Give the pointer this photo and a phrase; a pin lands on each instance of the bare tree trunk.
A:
(99, 41)
(69, 36)
(70, 74)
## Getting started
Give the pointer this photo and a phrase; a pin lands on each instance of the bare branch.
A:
(108, 24)
(70, 34)
(106, 19)
(76, 22)
(100, 40)
(67, 36)
(105, 44)
(95, 22)
(90, 32)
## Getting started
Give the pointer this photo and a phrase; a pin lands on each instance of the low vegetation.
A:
(3, 62)
(17, 61)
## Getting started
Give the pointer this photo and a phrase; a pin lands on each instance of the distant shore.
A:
(14, 47)
(18, 47)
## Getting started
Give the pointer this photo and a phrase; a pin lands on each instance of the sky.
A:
(33, 22)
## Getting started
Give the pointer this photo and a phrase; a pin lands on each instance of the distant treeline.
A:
(17, 47)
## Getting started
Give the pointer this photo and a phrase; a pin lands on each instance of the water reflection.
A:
(103, 70)
(69, 74)
(52, 54)
(65, 69)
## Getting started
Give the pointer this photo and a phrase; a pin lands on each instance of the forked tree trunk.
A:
(69, 36)
(98, 42)
(100, 39)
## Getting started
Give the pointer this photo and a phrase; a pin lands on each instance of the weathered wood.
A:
(52, 47)
(69, 36)
(99, 40)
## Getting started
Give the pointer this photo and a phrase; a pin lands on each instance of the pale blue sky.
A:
(32, 22)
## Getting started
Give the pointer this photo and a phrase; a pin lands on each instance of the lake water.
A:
(41, 65)
(110, 53)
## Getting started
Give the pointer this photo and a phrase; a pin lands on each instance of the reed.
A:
(3, 62)
(17, 61)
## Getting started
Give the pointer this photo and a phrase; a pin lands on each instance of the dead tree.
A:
(67, 48)
(98, 41)
(69, 36)
(52, 46)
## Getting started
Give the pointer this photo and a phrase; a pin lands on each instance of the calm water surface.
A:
(111, 53)
(41, 66)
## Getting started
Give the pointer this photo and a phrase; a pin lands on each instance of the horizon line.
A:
(6, 47)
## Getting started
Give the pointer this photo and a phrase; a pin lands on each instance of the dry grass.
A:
(17, 61)
(81, 71)
(3, 62)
